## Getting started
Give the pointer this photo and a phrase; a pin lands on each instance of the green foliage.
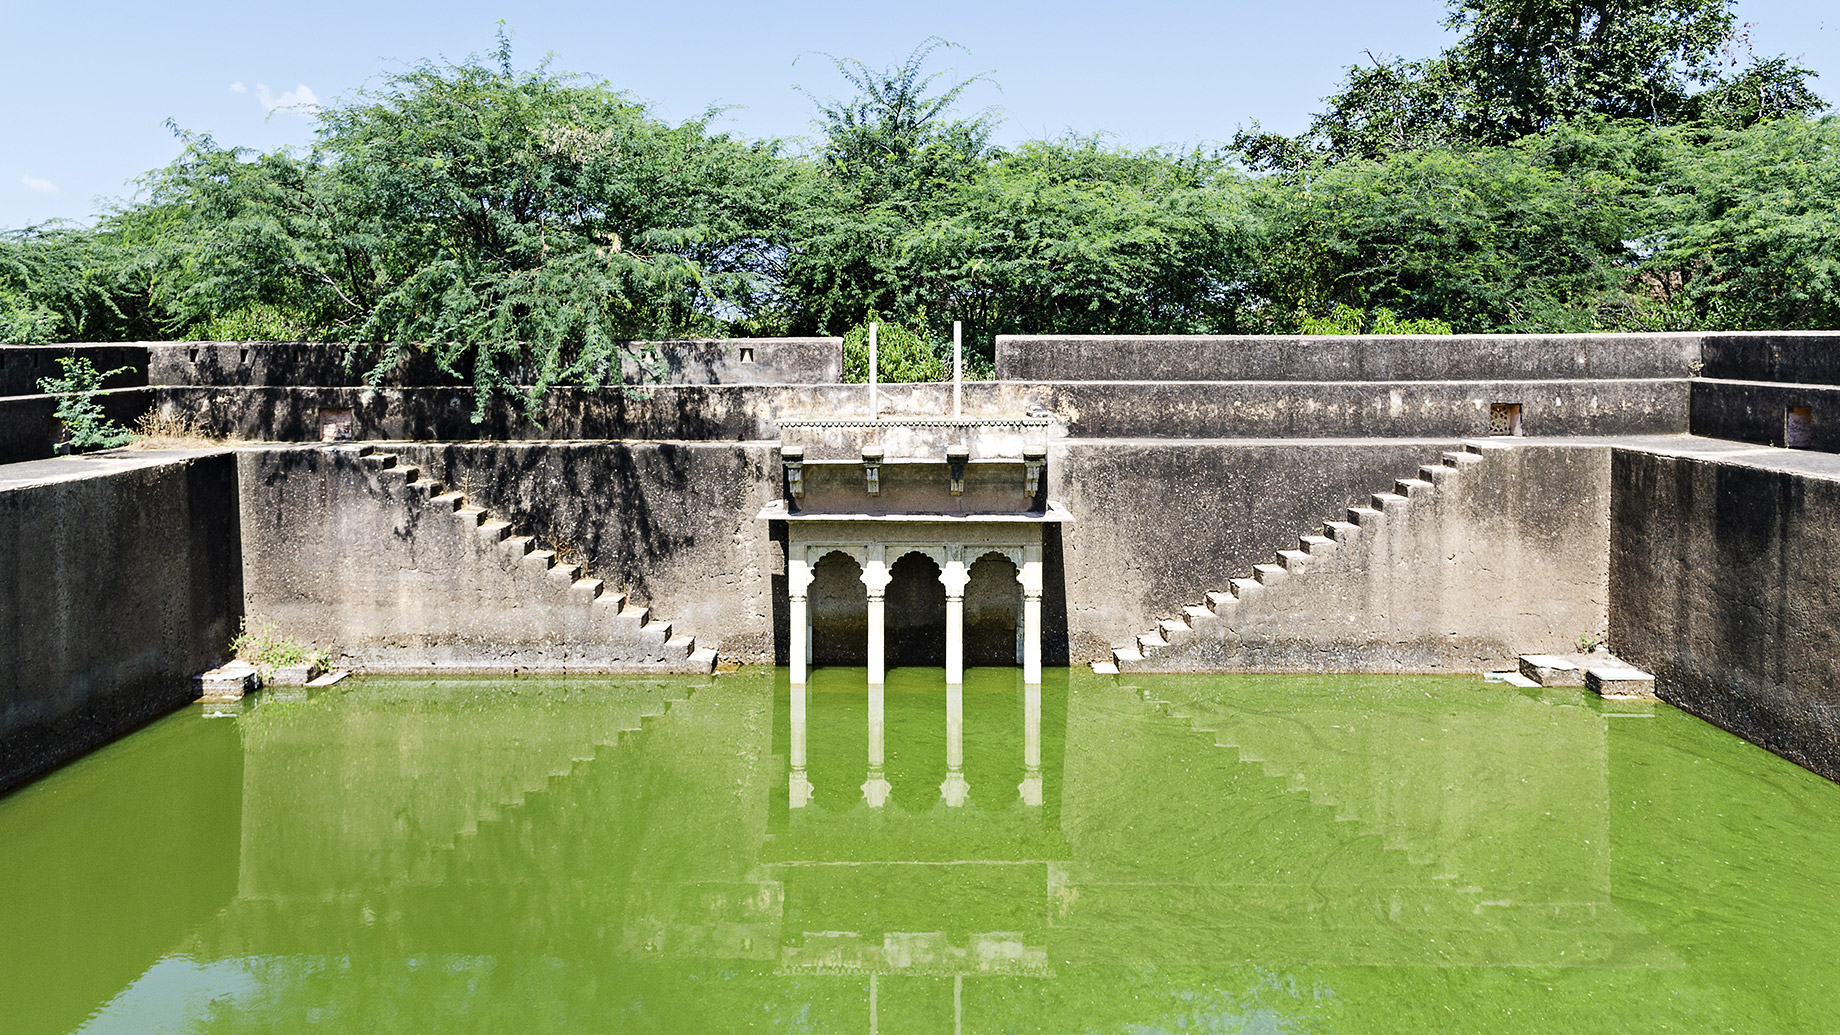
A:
(901, 355)
(268, 650)
(1346, 319)
(1604, 165)
(1077, 237)
(1524, 67)
(890, 161)
(79, 410)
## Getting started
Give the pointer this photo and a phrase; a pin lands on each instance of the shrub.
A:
(902, 355)
(77, 407)
(268, 650)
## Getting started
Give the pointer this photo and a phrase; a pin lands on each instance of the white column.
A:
(1030, 787)
(876, 788)
(876, 577)
(798, 790)
(875, 369)
(798, 635)
(1030, 577)
(958, 370)
(955, 790)
(954, 576)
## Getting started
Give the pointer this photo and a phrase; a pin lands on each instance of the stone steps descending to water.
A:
(1344, 557)
(619, 635)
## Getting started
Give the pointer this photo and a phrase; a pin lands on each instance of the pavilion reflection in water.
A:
(954, 788)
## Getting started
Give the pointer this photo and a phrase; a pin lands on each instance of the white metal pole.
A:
(958, 369)
(875, 403)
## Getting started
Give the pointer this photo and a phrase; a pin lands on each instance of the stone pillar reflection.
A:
(1030, 577)
(954, 577)
(798, 637)
(798, 790)
(1030, 787)
(955, 790)
(876, 577)
(876, 788)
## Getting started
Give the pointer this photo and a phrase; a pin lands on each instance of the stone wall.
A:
(22, 365)
(29, 429)
(1802, 357)
(1088, 409)
(120, 581)
(1722, 583)
(1161, 524)
(339, 557)
(332, 364)
(1758, 411)
(1468, 357)
(1491, 552)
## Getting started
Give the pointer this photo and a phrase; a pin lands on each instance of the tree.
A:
(1074, 237)
(1521, 67)
(521, 226)
(890, 157)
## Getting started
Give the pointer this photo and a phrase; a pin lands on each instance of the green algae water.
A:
(1141, 854)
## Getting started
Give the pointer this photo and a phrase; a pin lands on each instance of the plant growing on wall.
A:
(79, 410)
(267, 649)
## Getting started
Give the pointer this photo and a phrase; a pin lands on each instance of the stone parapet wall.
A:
(1722, 583)
(1134, 409)
(120, 580)
(22, 365)
(334, 364)
(1801, 357)
(29, 429)
(1466, 357)
(1759, 412)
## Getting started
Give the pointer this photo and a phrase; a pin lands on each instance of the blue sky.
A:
(89, 86)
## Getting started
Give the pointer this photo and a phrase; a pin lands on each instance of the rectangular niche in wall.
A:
(335, 424)
(1798, 427)
(1504, 418)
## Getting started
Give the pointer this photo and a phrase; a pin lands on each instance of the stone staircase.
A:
(626, 637)
(1245, 626)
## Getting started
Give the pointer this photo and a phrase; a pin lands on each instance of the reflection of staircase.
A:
(1214, 720)
(619, 631)
(1249, 625)
(1328, 884)
(508, 824)
(629, 709)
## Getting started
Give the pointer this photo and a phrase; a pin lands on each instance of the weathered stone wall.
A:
(328, 364)
(1802, 357)
(29, 429)
(1159, 524)
(120, 581)
(22, 365)
(1757, 411)
(1468, 357)
(1121, 409)
(335, 558)
(1500, 550)
(1722, 583)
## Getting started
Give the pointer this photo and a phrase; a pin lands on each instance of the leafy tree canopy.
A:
(1521, 67)
(1607, 166)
